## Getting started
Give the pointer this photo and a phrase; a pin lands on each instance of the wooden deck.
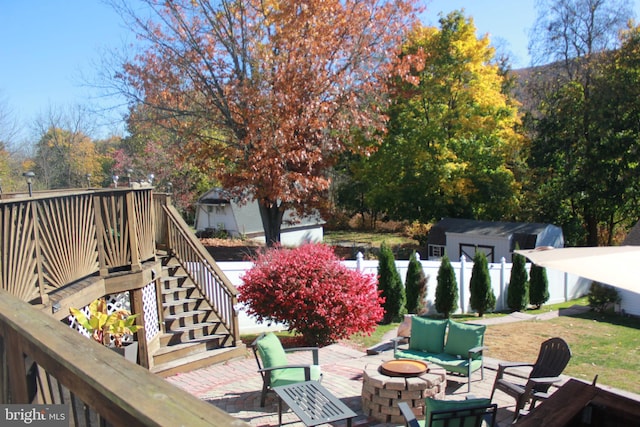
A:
(65, 249)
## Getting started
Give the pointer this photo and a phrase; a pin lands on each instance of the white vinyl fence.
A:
(562, 286)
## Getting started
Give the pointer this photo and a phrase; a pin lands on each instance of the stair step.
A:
(180, 292)
(199, 360)
(185, 318)
(184, 314)
(171, 269)
(185, 286)
(181, 305)
(180, 351)
(170, 282)
(189, 333)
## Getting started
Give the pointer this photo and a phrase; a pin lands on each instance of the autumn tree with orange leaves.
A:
(272, 90)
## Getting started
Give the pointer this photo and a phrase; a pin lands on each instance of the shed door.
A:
(469, 251)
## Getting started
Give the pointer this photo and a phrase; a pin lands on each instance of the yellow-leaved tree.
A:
(452, 145)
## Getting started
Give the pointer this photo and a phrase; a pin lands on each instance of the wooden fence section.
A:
(43, 361)
(203, 271)
(52, 240)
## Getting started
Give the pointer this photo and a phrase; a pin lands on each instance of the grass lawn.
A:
(367, 238)
(603, 345)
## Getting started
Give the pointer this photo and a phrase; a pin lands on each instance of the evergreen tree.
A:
(538, 286)
(415, 285)
(446, 289)
(390, 285)
(518, 290)
(482, 298)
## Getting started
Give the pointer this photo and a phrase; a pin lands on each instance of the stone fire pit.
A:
(381, 392)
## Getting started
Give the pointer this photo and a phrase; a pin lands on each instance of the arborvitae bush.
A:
(446, 289)
(538, 286)
(482, 298)
(390, 286)
(518, 289)
(310, 290)
(415, 285)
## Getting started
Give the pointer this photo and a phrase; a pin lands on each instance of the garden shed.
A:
(457, 237)
(217, 212)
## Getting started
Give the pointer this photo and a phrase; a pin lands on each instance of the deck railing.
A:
(48, 241)
(44, 362)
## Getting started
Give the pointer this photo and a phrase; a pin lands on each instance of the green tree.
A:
(390, 286)
(415, 285)
(518, 288)
(446, 289)
(150, 148)
(538, 286)
(452, 136)
(482, 298)
(580, 166)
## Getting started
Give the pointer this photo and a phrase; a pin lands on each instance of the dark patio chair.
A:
(553, 357)
(453, 413)
(274, 367)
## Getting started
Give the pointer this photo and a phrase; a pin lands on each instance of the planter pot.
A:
(404, 329)
(128, 350)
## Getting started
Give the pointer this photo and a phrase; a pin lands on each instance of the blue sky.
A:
(49, 48)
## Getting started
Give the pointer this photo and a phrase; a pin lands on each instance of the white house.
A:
(457, 237)
(218, 212)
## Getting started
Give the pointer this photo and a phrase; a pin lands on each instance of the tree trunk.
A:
(271, 214)
(592, 230)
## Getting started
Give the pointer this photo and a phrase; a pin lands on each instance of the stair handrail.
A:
(210, 280)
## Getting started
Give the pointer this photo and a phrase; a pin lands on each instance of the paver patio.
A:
(235, 386)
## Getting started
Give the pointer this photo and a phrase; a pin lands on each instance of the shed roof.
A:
(633, 237)
(490, 228)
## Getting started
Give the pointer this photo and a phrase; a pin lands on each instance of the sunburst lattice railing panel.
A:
(144, 211)
(115, 232)
(67, 239)
(18, 269)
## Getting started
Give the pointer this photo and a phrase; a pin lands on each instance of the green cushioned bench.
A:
(457, 347)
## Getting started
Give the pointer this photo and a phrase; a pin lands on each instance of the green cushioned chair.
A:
(453, 413)
(274, 367)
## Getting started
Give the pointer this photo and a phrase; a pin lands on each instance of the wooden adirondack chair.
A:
(553, 357)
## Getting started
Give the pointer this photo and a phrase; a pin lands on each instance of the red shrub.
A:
(312, 292)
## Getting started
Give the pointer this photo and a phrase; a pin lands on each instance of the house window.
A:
(436, 251)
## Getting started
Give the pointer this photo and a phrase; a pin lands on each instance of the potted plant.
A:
(110, 329)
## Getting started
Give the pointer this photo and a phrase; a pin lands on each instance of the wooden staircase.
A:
(193, 335)
(199, 326)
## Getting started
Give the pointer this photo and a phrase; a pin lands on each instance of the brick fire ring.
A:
(381, 393)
